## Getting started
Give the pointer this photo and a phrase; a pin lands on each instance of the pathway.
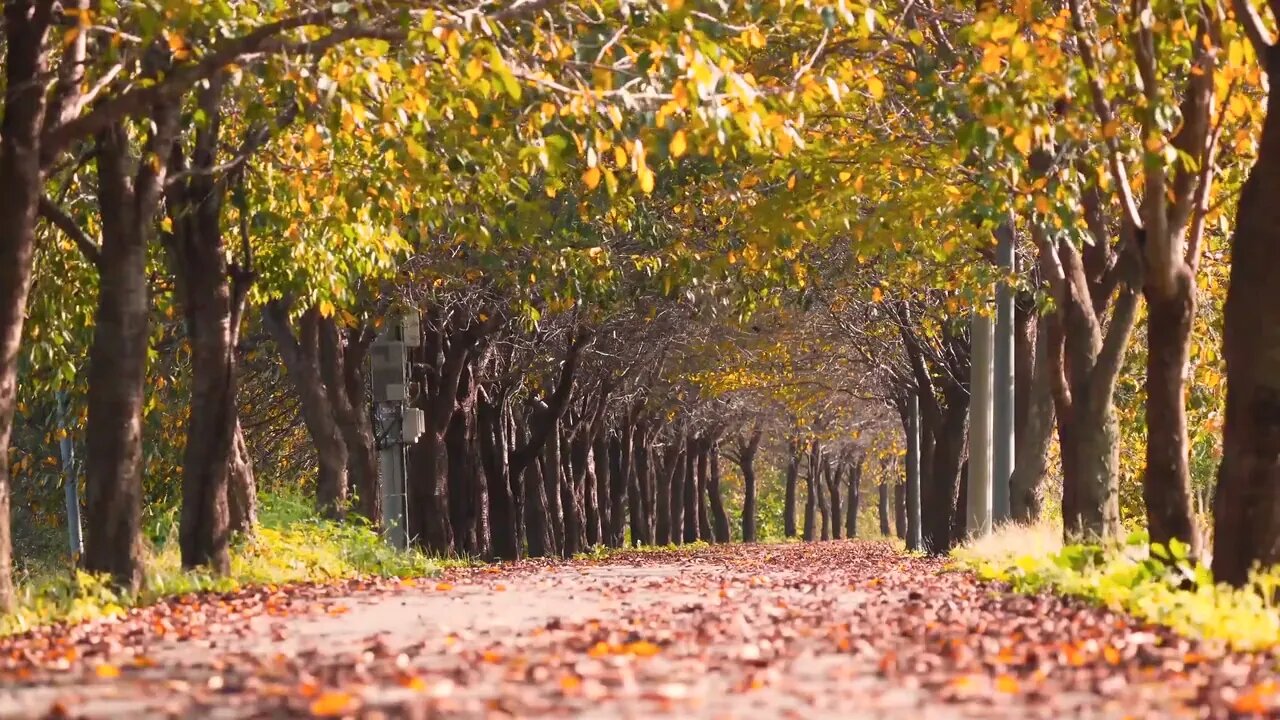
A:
(828, 630)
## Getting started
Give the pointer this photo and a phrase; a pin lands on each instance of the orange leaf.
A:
(570, 684)
(333, 704)
(643, 648)
(107, 671)
(444, 586)
(1007, 684)
(1111, 655)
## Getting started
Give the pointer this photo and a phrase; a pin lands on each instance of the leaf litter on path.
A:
(840, 629)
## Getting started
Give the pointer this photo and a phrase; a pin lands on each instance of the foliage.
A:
(293, 545)
(1154, 584)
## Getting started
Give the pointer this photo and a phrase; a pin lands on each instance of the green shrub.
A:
(292, 545)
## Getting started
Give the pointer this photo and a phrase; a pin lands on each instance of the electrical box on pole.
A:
(388, 365)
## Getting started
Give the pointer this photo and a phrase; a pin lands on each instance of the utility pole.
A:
(978, 517)
(915, 542)
(70, 478)
(1002, 419)
(398, 424)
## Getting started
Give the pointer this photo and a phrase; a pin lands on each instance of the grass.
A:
(292, 545)
(1158, 585)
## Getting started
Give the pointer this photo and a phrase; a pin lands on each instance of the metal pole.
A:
(70, 480)
(915, 541)
(1002, 419)
(978, 516)
(391, 468)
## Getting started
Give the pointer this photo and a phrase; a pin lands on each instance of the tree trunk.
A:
(691, 503)
(705, 532)
(1246, 515)
(641, 480)
(679, 479)
(747, 461)
(940, 496)
(536, 519)
(355, 421)
(302, 362)
(1035, 427)
(504, 515)
(855, 496)
(719, 518)
(600, 466)
(811, 498)
(118, 359)
(883, 489)
(671, 463)
(821, 487)
(590, 497)
(551, 478)
(21, 177)
(792, 477)
(618, 488)
(835, 471)
(1166, 485)
(242, 490)
(900, 510)
(574, 493)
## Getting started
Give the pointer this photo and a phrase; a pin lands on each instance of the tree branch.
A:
(1102, 108)
(62, 220)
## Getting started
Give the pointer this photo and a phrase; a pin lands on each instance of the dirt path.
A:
(838, 630)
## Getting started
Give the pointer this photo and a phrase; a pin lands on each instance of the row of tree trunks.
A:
(944, 419)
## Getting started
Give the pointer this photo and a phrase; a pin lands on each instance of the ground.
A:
(824, 630)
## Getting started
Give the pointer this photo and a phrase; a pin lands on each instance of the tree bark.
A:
(883, 490)
(747, 449)
(855, 496)
(575, 493)
(600, 466)
(641, 481)
(554, 482)
(692, 524)
(301, 354)
(705, 531)
(1246, 515)
(347, 389)
(507, 543)
(21, 177)
(129, 193)
(792, 477)
(811, 497)
(618, 487)
(679, 479)
(834, 471)
(900, 510)
(1166, 485)
(536, 518)
(1035, 427)
(671, 463)
(719, 518)
(242, 490)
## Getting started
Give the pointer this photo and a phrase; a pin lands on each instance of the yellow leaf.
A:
(875, 86)
(326, 308)
(646, 179)
(591, 177)
(877, 295)
(791, 183)
(107, 671)
(1022, 141)
(678, 145)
